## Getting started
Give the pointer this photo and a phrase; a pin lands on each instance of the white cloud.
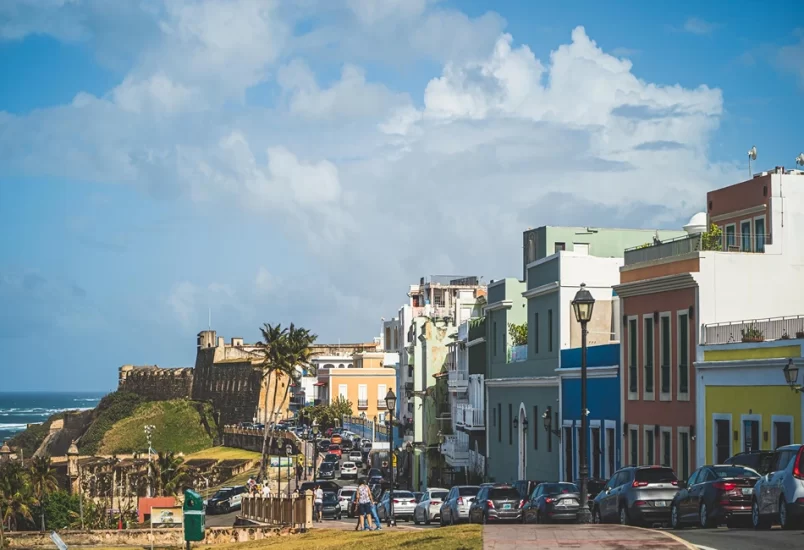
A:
(696, 25)
(791, 58)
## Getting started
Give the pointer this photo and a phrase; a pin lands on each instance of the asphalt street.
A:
(724, 538)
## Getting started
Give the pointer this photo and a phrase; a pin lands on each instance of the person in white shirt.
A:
(319, 502)
(266, 490)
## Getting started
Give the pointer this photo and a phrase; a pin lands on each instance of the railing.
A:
(381, 404)
(296, 511)
(470, 417)
(457, 379)
(517, 354)
(456, 453)
(663, 249)
(362, 403)
(753, 330)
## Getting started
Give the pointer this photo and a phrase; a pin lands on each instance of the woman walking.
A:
(365, 502)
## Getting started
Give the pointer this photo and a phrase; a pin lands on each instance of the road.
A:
(724, 538)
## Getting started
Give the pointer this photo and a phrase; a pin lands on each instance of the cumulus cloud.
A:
(696, 25)
(791, 58)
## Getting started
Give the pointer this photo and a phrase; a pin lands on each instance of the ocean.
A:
(17, 409)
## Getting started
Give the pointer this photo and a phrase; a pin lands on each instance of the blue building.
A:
(603, 404)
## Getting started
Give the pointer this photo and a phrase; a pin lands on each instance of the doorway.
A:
(522, 437)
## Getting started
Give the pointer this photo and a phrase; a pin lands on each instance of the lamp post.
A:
(441, 439)
(583, 304)
(314, 431)
(791, 376)
(149, 430)
(390, 403)
(289, 453)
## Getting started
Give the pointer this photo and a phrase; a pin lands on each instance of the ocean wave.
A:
(87, 399)
(13, 427)
(38, 411)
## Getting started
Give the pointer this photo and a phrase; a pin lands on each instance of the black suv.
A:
(327, 470)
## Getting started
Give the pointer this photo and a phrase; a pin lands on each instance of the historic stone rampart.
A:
(156, 383)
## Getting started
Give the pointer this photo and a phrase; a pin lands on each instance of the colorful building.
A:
(744, 401)
(671, 290)
(603, 404)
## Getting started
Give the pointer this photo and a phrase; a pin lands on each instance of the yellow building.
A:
(744, 402)
(364, 381)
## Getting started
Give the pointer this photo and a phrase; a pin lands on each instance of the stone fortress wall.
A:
(156, 383)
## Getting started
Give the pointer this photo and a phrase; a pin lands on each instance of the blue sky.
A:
(276, 163)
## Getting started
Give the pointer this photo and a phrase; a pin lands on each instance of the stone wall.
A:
(251, 440)
(142, 537)
(233, 386)
(156, 383)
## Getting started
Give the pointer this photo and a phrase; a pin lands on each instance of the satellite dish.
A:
(800, 160)
(752, 154)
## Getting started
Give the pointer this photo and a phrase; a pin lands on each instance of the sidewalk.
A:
(583, 537)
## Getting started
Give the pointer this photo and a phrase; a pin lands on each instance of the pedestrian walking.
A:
(319, 502)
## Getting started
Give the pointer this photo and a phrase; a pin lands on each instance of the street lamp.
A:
(791, 376)
(289, 452)
(441, 439)
(314, 431)
(583, 304)
(390, 403)
(547, 419)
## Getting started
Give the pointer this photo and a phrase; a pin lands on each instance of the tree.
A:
(283, 350)
(518, 333)
(16, 498)
(43, 482)
(62, 510)
(169, 473)
(712, 239)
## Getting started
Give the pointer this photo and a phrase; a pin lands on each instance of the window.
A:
(633, 446)
(650, 446)
(362, 396)
(597, 453)
(499, 427)
(683, 353)
(730, 236)
(666, 447)
(745, 236)
(560, 247)
(722, 438)
(782, 431)
(510, 424)
(494, 338)
(684, 454)
(759, 234)
(569, 468)
(549, 330)
(536, 431)
(750, 434)
(632, 355)
(343, 392)
(648, 336)
(536, 333)
(665, 338)
(610, 450)
(381, 391)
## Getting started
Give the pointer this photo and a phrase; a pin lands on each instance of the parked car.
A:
(347, 444)
(327, 470)
(524, 486)
(593, 488)
(637, 495)
(345, 496)
(332, 506)
(332, 457)
(225, 500)
(349, 470)
(429, 507)
(323, 445)
(761, 461)
(418, 496)
(335, 450)
(497, 503)
(779, 494)
(714, 495)
(330, 486)
(375, 472)
(456, 506)
(366, 445)
(356, 457)
(552, 501)
(404, 505)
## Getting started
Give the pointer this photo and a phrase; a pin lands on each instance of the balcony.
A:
(457, 380)
(753, 330)
(455, 451)
(517, 354)
(662, 249)
(470, 417)
(381, 404)
(362, 404)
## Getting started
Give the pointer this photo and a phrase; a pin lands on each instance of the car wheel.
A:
(624, 520)
(225, 508)
(451, 519)
(784, 517)
(441, 521)
(703, 516)
(596, 518)
(427, 518)
(416, 519)
(675, 521)
(758, 521)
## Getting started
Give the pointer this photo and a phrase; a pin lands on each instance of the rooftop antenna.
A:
(752, 155)
(800, 160)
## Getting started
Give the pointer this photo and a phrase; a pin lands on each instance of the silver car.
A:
(456, 507)
(404, 505)
(429, 507)
(779, 494)
(637, 495)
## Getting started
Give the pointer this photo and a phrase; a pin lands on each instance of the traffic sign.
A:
(394, 460)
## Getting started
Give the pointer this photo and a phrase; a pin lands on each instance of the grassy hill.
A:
(181, 426)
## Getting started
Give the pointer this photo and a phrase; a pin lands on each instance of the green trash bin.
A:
(194, 516)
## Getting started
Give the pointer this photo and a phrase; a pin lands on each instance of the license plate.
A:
(506, 506)
(748, 490)
(660, 503)
(572, 503)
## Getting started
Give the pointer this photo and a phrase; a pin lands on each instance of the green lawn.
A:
(224, 453)
(179, 428)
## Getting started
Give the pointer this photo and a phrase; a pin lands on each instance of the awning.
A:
(320, 384)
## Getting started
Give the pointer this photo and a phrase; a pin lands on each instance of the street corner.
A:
(584, 537)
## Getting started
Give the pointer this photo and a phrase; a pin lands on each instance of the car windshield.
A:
(334, 447)
(403, 494)
(374, 472)
(325, 466)
(347, 492)
(223, 494)
(735, 471)
(559, 488)
(468, 491)
(331, 458)
(330, 497)
(655, 475)
(438, 495)
(504, 493)
(348, 464)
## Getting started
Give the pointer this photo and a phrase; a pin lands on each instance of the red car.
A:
(335, 449)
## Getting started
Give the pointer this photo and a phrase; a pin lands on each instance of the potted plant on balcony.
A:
(752, 334)
(800, 334)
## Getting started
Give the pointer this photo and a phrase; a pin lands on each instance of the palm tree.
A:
(15, 497)
(169, 473)
(283, 350)
(43, 482)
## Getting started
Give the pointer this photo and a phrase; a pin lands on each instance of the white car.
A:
(349, 469)
(365, 445)
(356, 457)
(404, 505)
(429, 507)
(345, 497)
(778, 496)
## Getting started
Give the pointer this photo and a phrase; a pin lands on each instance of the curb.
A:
(669, 535)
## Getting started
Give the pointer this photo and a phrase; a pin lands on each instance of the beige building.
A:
(363, 379)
